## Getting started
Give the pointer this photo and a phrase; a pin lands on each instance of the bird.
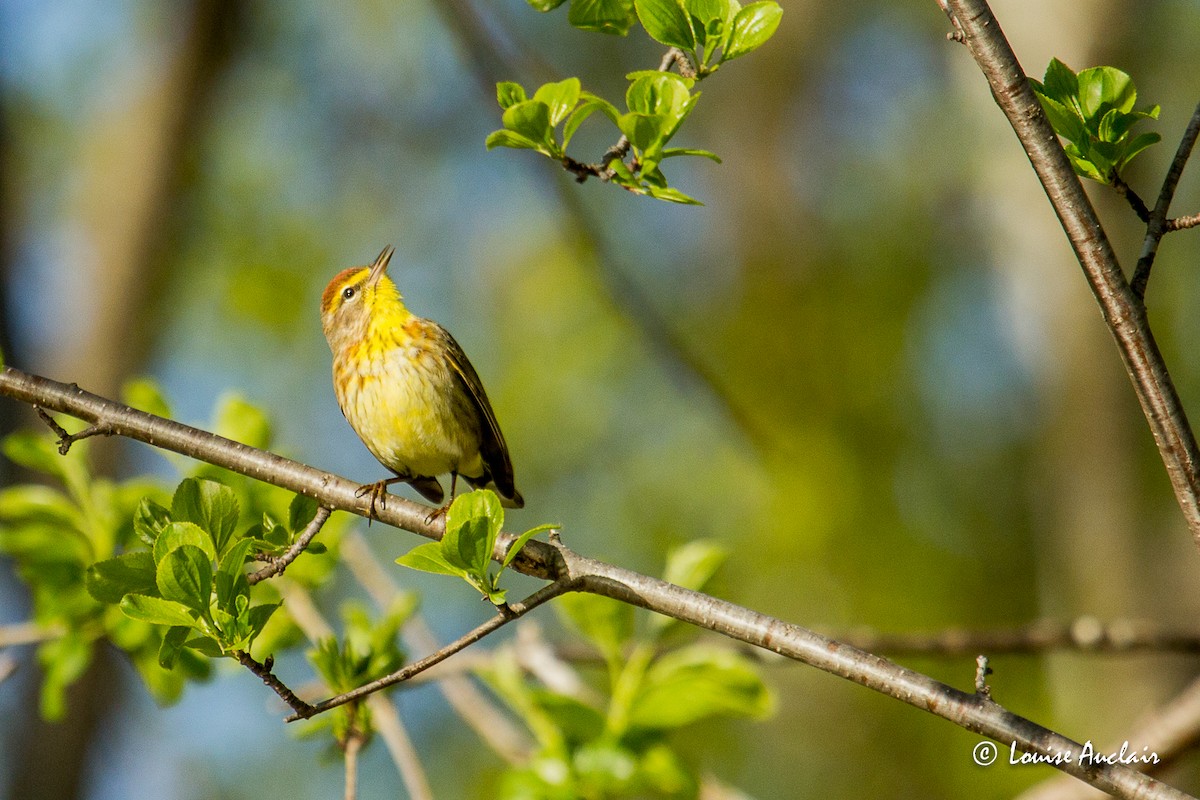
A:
(408, 390)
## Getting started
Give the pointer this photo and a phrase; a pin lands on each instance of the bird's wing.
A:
(492, 446)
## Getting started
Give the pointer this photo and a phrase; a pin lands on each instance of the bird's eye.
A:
(348, 292)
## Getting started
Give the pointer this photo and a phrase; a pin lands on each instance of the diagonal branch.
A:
(1158, 225)
(579, 573)
(506, 615)
(1122, 309)
(263, 671)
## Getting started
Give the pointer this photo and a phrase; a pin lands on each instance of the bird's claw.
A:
(437, 512)
(378, 494)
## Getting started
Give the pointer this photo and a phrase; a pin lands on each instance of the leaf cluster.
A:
(706, 34)
(191, 576)
(614, 740)
(1094, 112)
(473, 524)
(368, 649)
(131, 563)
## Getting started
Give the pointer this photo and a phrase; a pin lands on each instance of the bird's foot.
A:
(377, 491)
(440, 511)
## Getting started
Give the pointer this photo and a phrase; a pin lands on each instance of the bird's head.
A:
(355, 297)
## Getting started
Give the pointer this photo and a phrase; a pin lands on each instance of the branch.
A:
(263, 671)
(1133, 198)
(1182, 223)
(506, 615)
(569, 569)
(1158, 224)
(276, 566)
(1123, 311)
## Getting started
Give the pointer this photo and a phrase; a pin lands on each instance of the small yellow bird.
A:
(409, 392)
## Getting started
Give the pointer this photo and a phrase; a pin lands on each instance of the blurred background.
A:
(869, 365)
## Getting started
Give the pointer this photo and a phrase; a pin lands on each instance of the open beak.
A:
(380, 265)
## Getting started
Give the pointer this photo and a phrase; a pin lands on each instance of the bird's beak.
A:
(380, 265)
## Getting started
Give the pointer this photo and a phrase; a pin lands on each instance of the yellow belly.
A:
(410, 411)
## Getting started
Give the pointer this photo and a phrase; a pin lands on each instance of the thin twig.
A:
(982, 670)
(263, 671)
(1123, 311)
(65, 440)
(506, 614)
(1133, 198)
(276, 566)
(1157, 225)
(555, 562)
(1182, 223)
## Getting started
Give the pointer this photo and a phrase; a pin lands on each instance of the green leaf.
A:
(301, 511)
(1136, 145)
(144, 394)
(428, 558)
(149, 519)
(516, 546)
(654, 92)
(667, 23)
(171, 645)
(1105, 86)
(614, 17)
(709, 11)
(672, 195)
(185, 576)
(607, 623)
(1086, 168)
(205, 645)
(671, 152)
(34, 451)
(751, 28)
(545, 5)
(698, 682)
(238, 419)
(559, 97)
(109, 581)
(1064, 119)
(179, 534)
(509, 93)
(257, 617)
(230, 578)
(63, 661)
(644, 131)
(156, 610)
(530, 119)
(1061, 84)
(472, 525)
(505, 138)
(211, 505)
